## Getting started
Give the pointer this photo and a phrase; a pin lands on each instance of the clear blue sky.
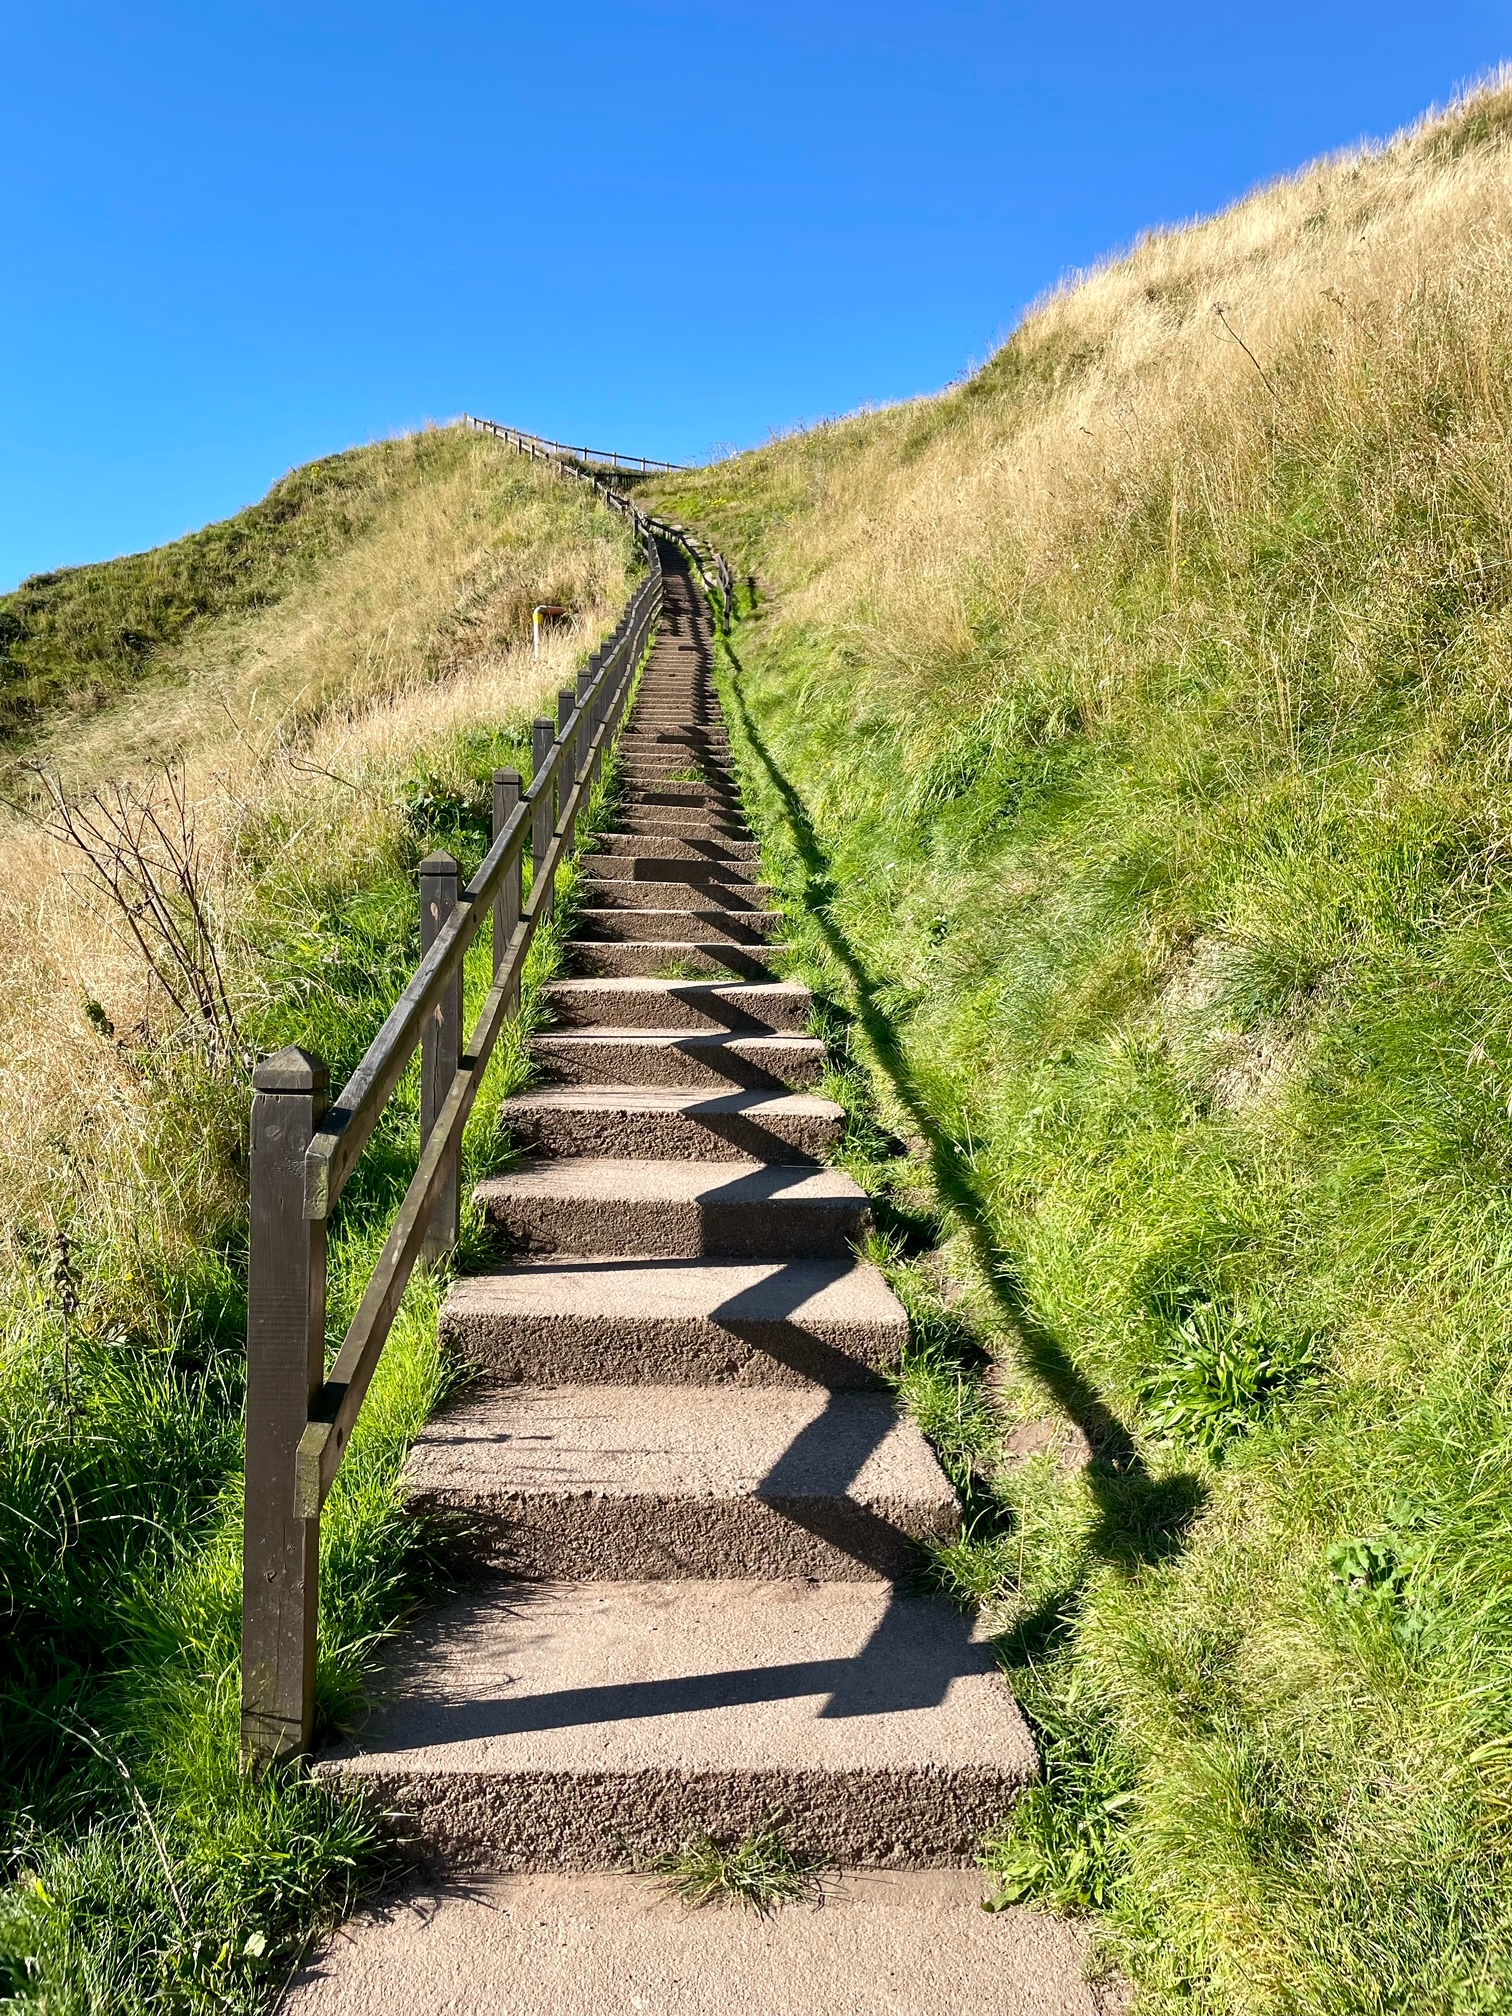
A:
(242, 233)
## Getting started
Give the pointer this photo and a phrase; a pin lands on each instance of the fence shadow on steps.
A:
(1142, 1519)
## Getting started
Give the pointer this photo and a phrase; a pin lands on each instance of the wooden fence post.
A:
(584, 739)
(567, 775)
(543, 814)
(506, 796)
(440, 1052)
(286, 1294)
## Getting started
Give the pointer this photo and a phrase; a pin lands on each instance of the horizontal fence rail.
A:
(305, 1144)
(533, 444)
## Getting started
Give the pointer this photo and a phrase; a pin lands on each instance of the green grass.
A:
(83, 634)
(761, 1873)
(144, 1870)
(1200, 1048)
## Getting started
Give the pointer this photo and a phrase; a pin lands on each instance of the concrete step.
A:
(738, 927)
(666, 1483)
(693, 797)
(886, 1943)
(672, 846)
(607, 958)
(679, 1004)
(619, 893)
(661, 1121)
(648, 866)
(658, 823)
(707, 1060)
(589, 1724)
(667, 734)
(834, 1323)
(677, 1210)
(641, 774)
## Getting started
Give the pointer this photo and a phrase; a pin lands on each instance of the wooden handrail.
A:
(304, 1150)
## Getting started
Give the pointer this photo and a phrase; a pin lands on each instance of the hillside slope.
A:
(1134, 722)
(316, 698)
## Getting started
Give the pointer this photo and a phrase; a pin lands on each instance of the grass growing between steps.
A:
(1127, 733)
(142, 1870)
(762, 1873)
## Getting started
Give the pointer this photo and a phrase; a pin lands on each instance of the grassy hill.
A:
(1132, 729)
(315, 694)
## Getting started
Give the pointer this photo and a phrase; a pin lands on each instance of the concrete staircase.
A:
(682, 1471)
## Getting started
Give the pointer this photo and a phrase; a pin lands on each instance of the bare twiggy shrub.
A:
(308, 718)
(142, 850)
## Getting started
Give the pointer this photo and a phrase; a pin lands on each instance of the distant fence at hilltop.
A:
(537, 444)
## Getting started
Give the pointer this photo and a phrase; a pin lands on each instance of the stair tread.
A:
(617, 1177)
(787, 1040)
(648, 1294)
(667, 1099)
(691, 1677)
(679, 1443)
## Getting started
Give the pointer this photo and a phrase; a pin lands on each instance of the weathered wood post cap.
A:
(506, 776)
(439, 863)
(291, 1070)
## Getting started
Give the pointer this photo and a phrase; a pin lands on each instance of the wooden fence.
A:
(537, 445)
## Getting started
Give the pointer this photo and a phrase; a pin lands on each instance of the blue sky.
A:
(239, 234)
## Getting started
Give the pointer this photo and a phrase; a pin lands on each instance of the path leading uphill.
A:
(693, 1492)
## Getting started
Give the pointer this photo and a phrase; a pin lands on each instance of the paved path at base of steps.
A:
(691, 1499)
(914, 1944)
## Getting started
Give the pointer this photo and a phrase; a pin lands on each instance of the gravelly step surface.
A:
(678, 1210)
(664, 1122)
(643, 1002)
(640, 1482)
(705, 895)
(581, 1724)
(881, 1944)
(707, 1060)
(736, 927)
(630, 1317)
(607, 957)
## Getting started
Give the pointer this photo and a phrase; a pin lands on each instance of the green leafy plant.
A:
(1217, 1378)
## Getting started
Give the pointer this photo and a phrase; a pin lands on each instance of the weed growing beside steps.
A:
(761, 1873)
(142, 1871)
(1128, 738)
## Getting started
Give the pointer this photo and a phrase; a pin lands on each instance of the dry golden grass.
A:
(1355, 297)
(313, 713)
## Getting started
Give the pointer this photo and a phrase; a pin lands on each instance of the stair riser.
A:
(610, 959)
(653, 823)
(737, 854)
(748, 1063)
(648, 868)
(896, 1818)
(751, 1011)
(644, 773)
(621, 1351)
(704, 798)
(577, 1537)
(659, 738)
(768, 1230)
(623, 894)
(757, 927)
(672, 1136)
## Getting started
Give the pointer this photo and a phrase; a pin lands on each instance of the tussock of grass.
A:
(760, 1874)
(331, 740)
(1128, 728)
